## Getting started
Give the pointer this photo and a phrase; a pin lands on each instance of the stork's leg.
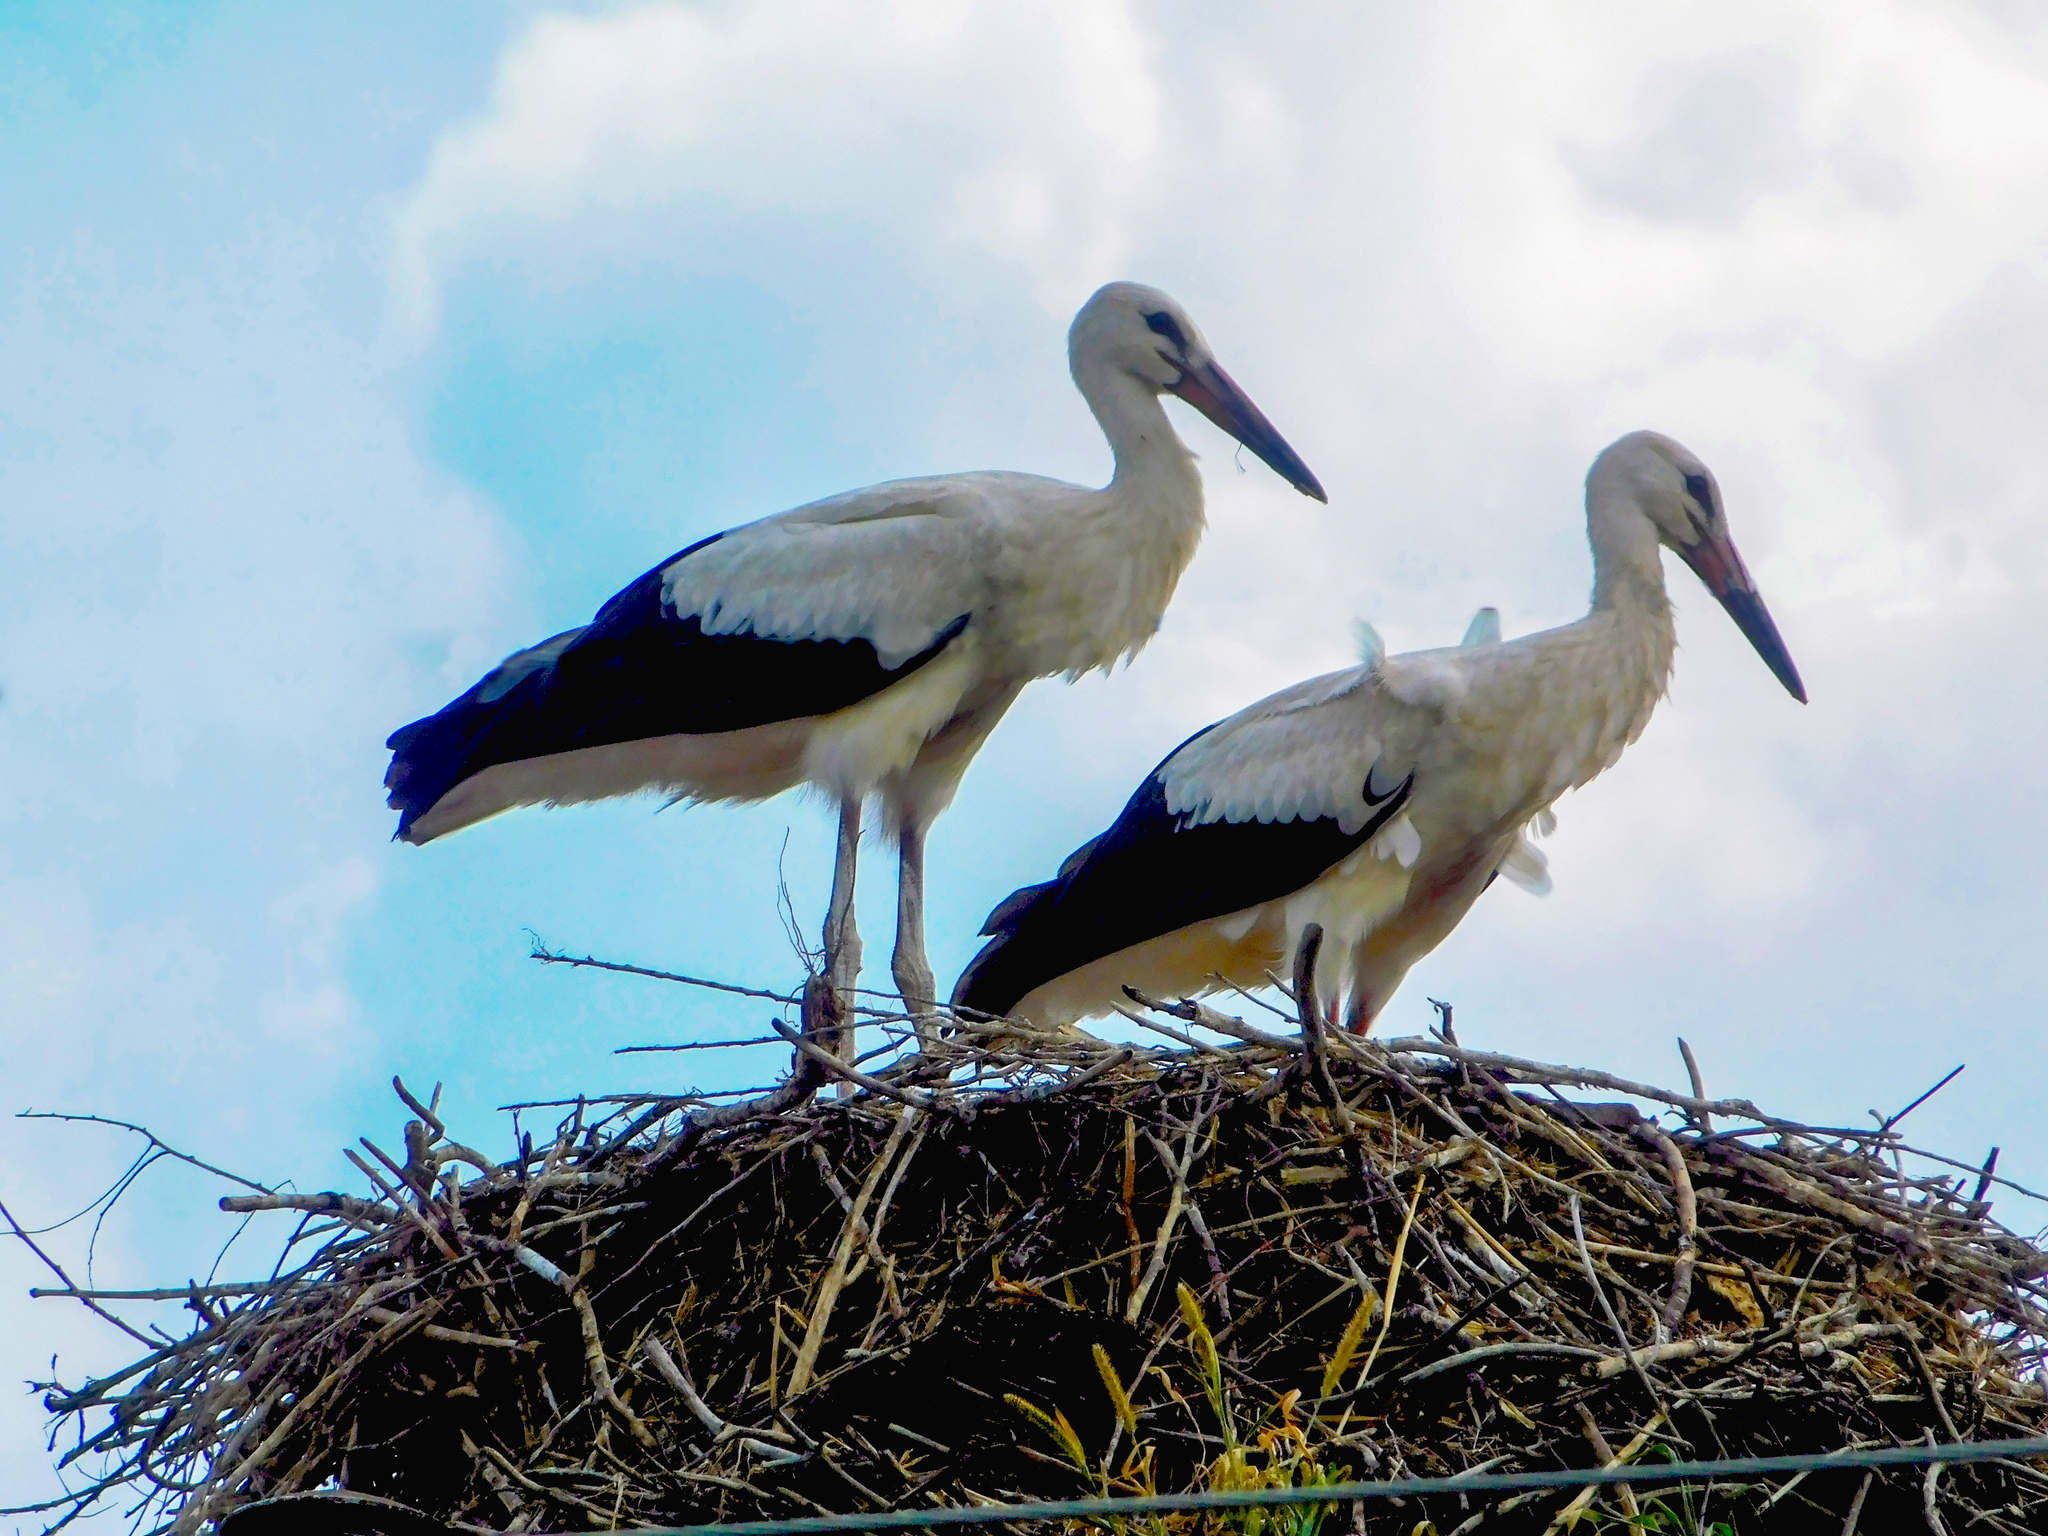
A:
(912, 967)
(842, 932)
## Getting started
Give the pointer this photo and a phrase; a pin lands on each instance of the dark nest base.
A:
(1030, 1267)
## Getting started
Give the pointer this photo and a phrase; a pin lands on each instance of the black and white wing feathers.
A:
(1247, 811)
(792, 617)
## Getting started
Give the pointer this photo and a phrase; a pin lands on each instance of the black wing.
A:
(636, 671)
(1148, 875)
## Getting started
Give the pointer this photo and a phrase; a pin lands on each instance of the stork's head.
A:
(1142, 332)
(1671, 488)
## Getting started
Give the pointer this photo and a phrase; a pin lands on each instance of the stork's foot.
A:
(842, 968)
(914, 984)
(824, 1019)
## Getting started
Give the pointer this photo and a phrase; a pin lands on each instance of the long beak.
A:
(1715, 561)
(1215, 394)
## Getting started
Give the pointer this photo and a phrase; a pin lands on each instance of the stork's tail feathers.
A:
(432, 756)
(1023, 933)
(429, 758)
(1009, 965)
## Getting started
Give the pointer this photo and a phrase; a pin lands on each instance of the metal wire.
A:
(1343, 1493)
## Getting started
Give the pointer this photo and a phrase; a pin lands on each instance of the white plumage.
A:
(865, 644)
(1377, 802)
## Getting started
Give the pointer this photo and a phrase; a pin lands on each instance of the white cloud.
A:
(1023, 130)
(1843, 172)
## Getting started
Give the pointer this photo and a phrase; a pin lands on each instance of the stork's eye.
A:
(1697, 488)
(1168, 327)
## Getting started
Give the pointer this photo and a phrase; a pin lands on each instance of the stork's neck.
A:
(1631, 621)
(1628, 565)
(1152, 464)
(1088, 580)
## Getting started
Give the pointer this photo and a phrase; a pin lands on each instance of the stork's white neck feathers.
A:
(1153, 465)
(1551, 711)
(1618, 658)
(1121, 550)
(1628, 559)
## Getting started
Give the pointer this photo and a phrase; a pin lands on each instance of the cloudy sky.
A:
(344, 349)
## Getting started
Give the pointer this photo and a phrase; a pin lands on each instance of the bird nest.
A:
(1016, 1266)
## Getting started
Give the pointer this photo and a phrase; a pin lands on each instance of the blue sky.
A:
(348, 348)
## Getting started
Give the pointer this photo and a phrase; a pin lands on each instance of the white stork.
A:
(865, 644)
(1380, 801)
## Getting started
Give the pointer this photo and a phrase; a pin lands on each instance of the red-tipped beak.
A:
(1715, 561)
(1215, 394)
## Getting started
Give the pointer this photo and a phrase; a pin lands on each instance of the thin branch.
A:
(82, 1294)
(154, 1140)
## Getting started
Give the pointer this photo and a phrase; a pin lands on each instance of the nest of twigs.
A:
(1011, 1267)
